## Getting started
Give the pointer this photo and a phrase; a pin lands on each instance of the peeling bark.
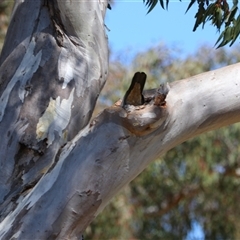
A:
(58, 171)
(52, 68)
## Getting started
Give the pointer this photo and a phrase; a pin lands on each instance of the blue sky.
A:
(133, 29)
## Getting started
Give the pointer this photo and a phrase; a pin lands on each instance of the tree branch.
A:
(107, 154)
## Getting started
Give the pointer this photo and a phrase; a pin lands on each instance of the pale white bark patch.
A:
(66, 68)
(25, 71)
(55, 119)
(16, 235)
(148, 115)
(83, 29)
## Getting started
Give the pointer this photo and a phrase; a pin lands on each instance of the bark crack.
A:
(56, 21)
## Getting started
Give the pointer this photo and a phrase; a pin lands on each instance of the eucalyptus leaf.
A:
(190, 5)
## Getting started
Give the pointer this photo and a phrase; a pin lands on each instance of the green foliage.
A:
(218, 13)
(152, 3)
(196, 182)
(5, 10)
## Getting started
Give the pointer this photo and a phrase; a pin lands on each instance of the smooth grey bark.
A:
(58, 171)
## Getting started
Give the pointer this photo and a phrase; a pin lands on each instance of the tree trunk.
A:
(58, 171)
(53, 66)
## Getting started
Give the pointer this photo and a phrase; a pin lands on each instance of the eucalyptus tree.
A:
(58, 169)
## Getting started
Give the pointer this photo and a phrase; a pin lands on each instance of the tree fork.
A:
(58, 171)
